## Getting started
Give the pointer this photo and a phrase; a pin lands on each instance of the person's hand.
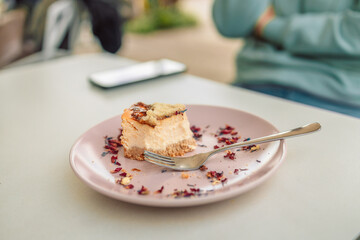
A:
(265, 18)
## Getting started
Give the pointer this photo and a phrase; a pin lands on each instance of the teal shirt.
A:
(312, 45)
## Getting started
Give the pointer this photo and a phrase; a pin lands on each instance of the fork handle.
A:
(278, 136)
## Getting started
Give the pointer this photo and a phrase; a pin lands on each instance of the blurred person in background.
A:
(105, 17)
(107, 23)
(307, 51)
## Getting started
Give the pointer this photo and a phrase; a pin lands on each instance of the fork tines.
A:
(158, 159)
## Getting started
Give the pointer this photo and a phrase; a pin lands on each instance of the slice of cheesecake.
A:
(160, 128)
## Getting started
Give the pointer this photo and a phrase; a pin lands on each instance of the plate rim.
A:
(186, 202)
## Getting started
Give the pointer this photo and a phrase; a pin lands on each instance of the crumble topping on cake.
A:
(139, 110)
(152, 114)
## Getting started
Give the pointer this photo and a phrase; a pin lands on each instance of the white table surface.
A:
(44, 108)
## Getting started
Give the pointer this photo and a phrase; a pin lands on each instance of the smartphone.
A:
(136, 73)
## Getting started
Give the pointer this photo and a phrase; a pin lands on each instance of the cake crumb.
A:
(215, 181)
(254, 148)
(185, 175)
(125, 181)
(203, 168)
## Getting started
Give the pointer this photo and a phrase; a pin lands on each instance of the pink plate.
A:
(92, 164)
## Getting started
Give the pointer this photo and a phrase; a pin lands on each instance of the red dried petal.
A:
(160, 190)
(195, 129)
(222, 139)
(120, 134)
(113, 159)
(187, 194)
(225, 131)
(197, 135)
(195, 189)
(115, 143)
(227, 127)
(112, 149)
(143, 191)
(130, 186)
(230, 155)
(116, 170)
(248, 147)
(211, 174)
(219, 175)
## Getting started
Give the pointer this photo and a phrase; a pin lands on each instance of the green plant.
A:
(160, 17)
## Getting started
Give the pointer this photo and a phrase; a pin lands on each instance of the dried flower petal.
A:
(195, 189)
(143, 191)
(130, 186)
(227, 127)
(187, 194)
(230, 155)
(195, 129)
(116, 170)
(211, 174)
(160, 190)
(120, 134)
(224, 180)
(225, 131)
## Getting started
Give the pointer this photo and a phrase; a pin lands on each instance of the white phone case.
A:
(136, 73)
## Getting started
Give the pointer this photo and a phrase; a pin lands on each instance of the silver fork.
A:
(196, 161)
